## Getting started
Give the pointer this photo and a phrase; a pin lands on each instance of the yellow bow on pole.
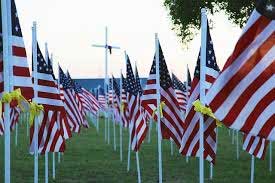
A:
(35, 110)
(205, 110)
(161, 106)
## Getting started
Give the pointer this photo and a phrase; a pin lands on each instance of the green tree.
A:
(185, 14)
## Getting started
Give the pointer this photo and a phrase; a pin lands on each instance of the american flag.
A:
(124, 114)
(110, 92)
(116, 99)
(20, 73)
(78, 95)
(101, 98)
(50, 138)
(190, 139)
(92, 102)
(188, 87)
(242, 97)
(172, 120)
(138, 126)
(255, 145)
(73, 114)
(181, 92)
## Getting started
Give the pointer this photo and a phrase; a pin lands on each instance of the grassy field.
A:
(88, 158)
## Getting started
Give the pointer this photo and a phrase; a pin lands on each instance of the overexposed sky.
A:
(71, 27)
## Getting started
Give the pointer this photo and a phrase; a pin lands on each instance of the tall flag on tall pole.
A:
(50, 138)
(171, 120)
(137, 124)
(73, 114)
(191, 137)
(181, 92)
(243, 95)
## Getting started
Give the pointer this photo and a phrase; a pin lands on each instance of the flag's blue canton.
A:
(42, 66)
(75, 86)
(177, 84)
(101, 91)
(165, 79)
(66, 83)
(189, 80)
(16, 29)
(123, 82)
(210, 56)
(140, 90)
(116, 87)
(131, 85)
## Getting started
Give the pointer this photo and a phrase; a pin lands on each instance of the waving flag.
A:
(102, 99)
(50, 138)
(137, 124)
(255, 145)
(243, 96)
(124, 114)
(172, 120)
(191, 137)
(181, 92)
(73, 114)
(20, 73)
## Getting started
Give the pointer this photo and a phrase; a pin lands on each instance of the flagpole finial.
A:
(203, 11)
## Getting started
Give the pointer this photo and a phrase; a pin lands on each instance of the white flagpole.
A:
(129, 144)
(138, 168)
(252, 169)
(113, 115)
(53, 166)
(237, 145)
(158, 107)
(270, 156)
(16, 133)
(6, 31)
(202, 87)
(171, 147)
(121, 123)
(149, 131)
(46, 153)
(233, 135)
(34, 44)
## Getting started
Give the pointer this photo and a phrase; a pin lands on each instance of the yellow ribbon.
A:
(161, 106)
(122, 106)
(199, 107)
(35, 110)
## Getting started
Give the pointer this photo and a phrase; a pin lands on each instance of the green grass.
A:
(88, 158)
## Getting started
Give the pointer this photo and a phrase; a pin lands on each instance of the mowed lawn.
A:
(88, 158)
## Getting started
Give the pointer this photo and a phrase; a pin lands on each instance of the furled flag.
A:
(73, 114)
(255, 146)
(172, 120)
(110, 93)
(191, 137)
(137, 125)
(243, 96)
(20, 73)
(50, 138)
(181, 92)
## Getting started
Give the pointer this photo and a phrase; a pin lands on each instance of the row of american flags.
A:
(241, 95)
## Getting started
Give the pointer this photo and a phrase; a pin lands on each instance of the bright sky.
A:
(71, 27)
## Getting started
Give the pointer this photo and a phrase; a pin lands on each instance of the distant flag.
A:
(102, 99)
(243, 95)
(172, 120)
(181, 91)
(50, 137)
(255, 145)
(137, 125)
(191, 137)
(116, 99)
(73, 114)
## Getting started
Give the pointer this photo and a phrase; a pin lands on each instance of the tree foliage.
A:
(185, 14)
